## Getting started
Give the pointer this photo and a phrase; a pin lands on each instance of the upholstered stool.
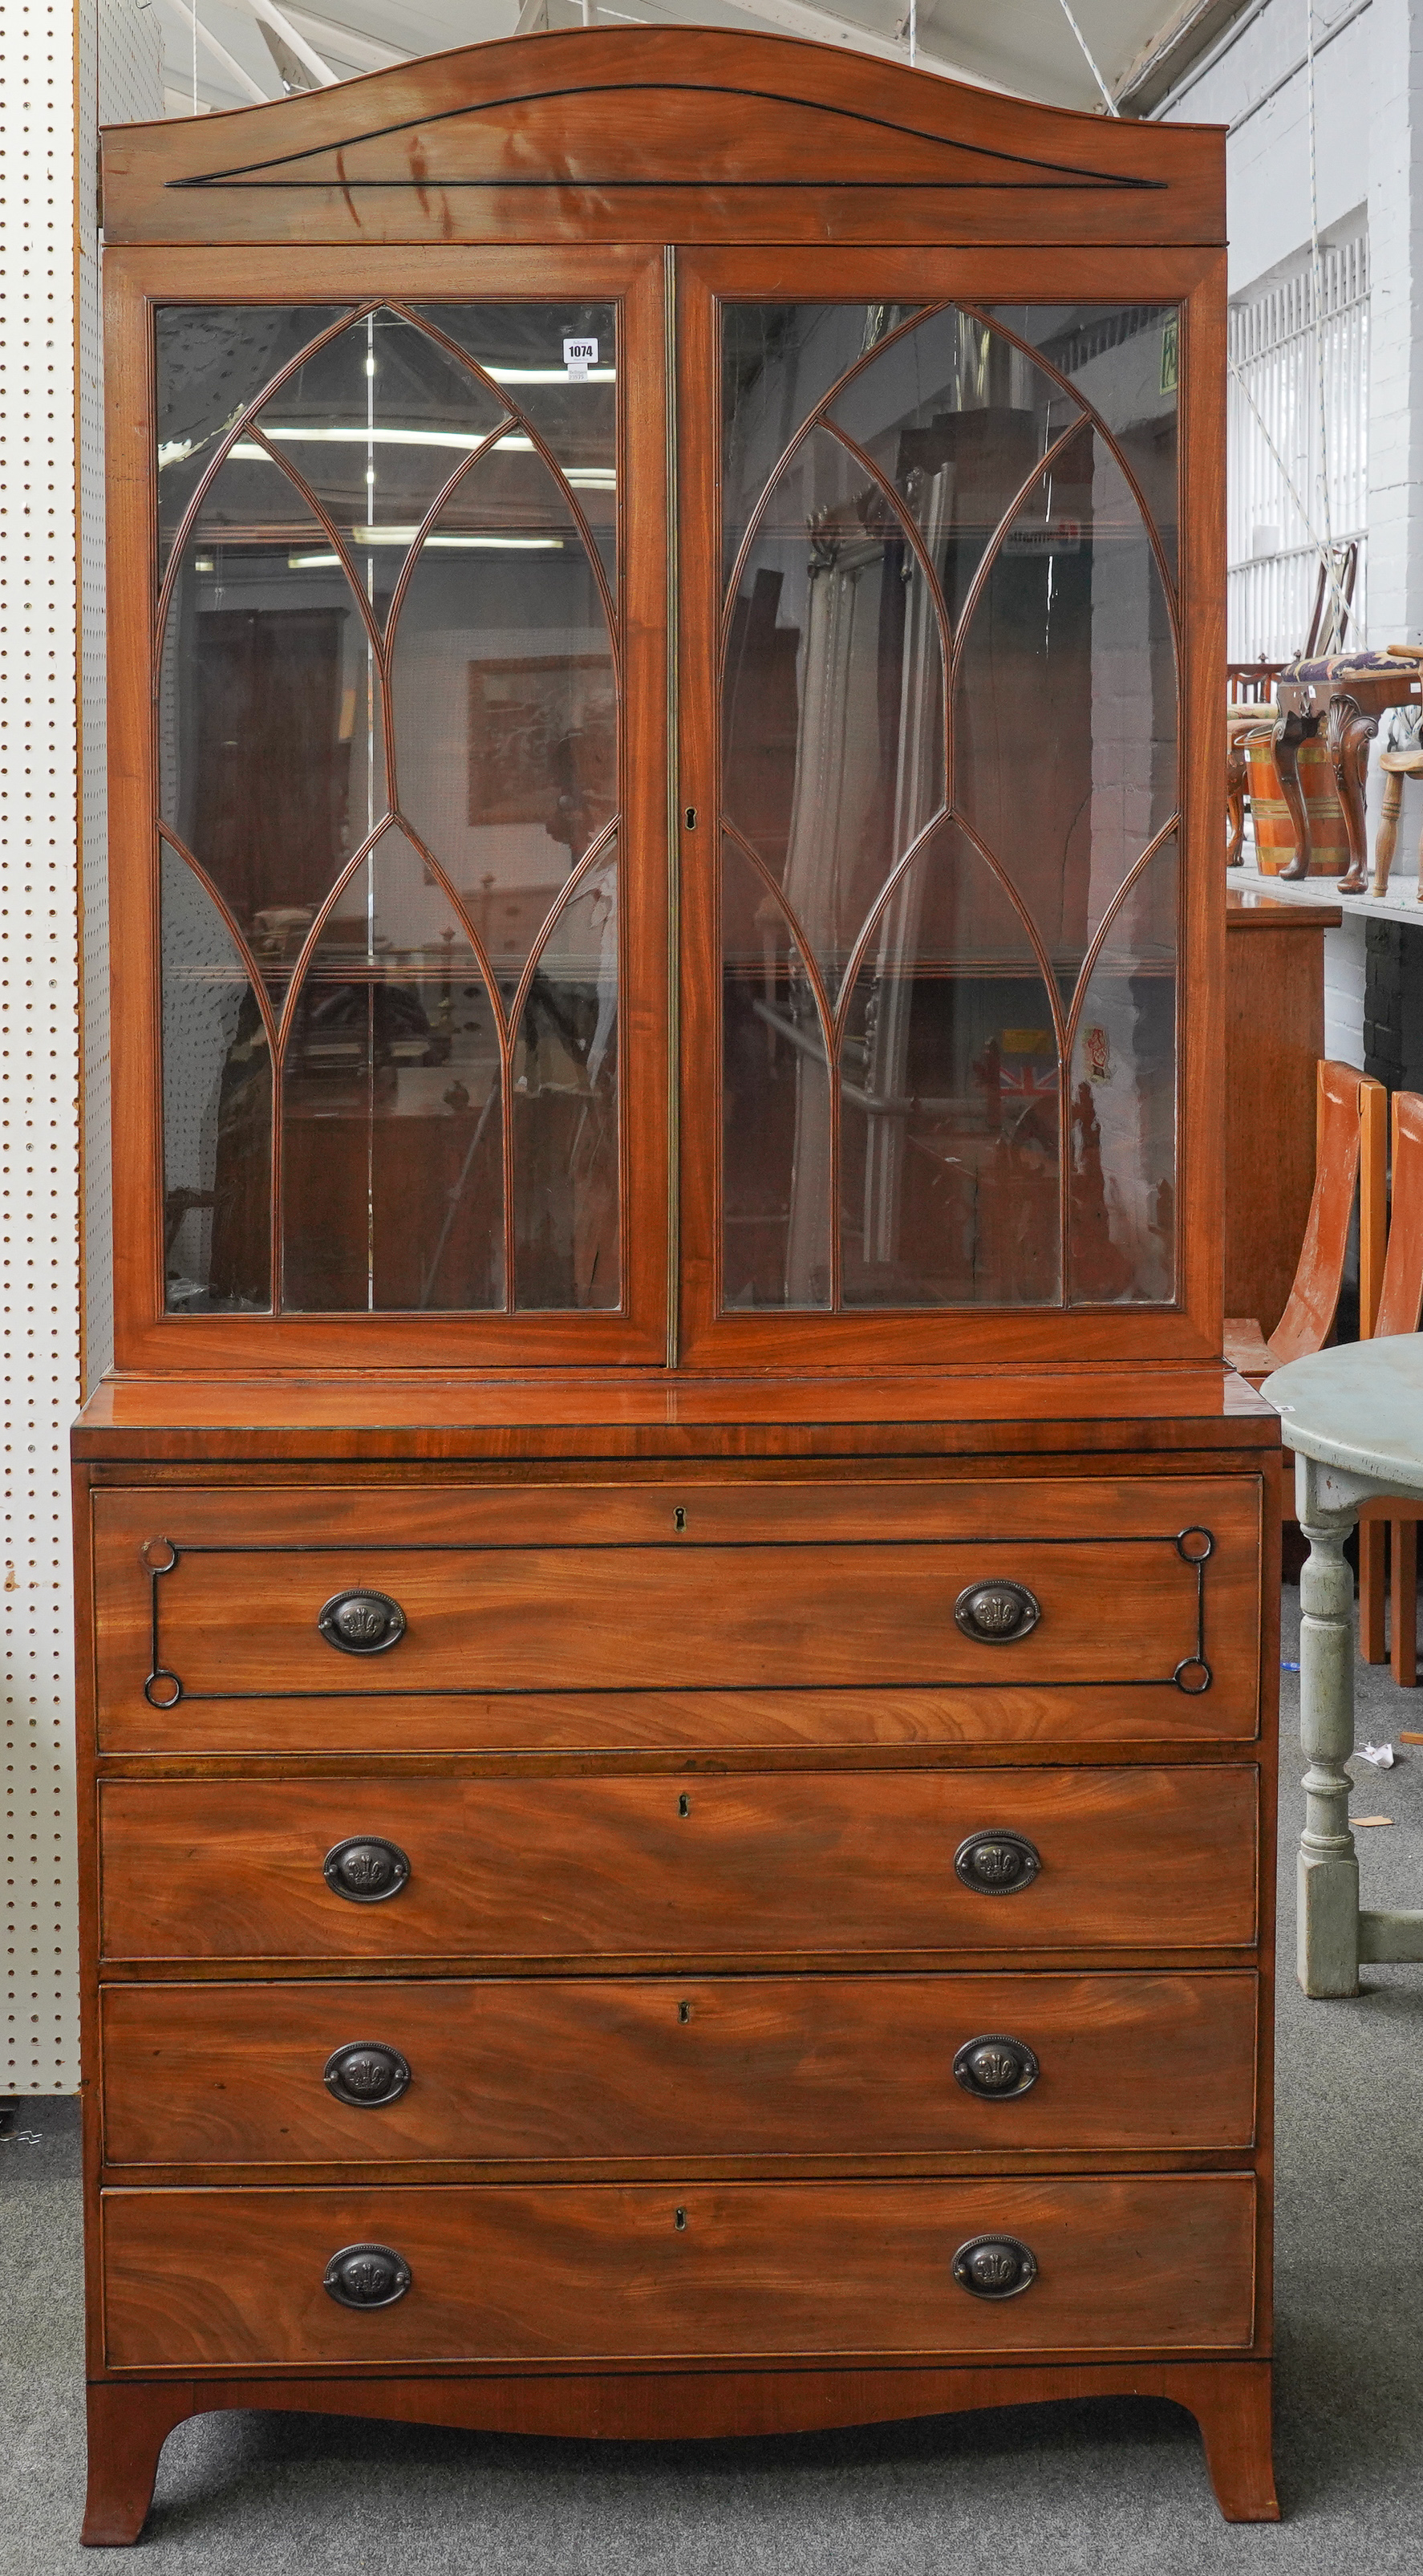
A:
(1346, 693)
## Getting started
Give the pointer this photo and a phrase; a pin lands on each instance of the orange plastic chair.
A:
(1350, 1110)
(1400, 1307)
(1350, 1129)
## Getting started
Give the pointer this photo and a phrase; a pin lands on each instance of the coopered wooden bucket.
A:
(1274, 832)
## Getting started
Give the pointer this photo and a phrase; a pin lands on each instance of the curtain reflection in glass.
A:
(949, 1092)
(775, 1105)
(392, 1153)
(949, 1113)
(1122, 1218)
(565, 1108)
(833, 753)
(217, 1110)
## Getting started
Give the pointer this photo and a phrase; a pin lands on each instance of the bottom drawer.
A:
(639, 2273)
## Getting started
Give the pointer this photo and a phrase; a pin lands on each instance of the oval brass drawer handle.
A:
(365, 2074)
(995, 2267)
(994, 2068)
(362, 1623)
(997, 1613)
(366, 1869)
(366, 2276)
(997, 1863)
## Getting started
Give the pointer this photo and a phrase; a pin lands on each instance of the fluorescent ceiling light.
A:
(406, 537)
(250, 452)
(547, 375)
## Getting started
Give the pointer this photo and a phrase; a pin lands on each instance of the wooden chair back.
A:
(1333, 601)
(1401, 1295)
(1349, 1137)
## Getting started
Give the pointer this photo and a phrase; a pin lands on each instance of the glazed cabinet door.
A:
(937, 798)
(405, 815)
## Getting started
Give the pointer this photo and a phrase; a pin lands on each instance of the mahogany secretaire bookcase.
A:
(677, 1646)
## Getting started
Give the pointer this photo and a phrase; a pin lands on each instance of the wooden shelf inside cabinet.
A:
(672, 1583)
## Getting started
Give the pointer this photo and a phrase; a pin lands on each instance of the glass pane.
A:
(833, 750)
(505, 700)
(1065, 707)
(217, 1111)
(392, 1153)
(1123, 360)
(958, 418)
(565, 1107)
(776, 1195)
(522, 347)
(949, 1099)
(376, 422)
(779, 361)
(1122, 1217)
(212, 361)
(271, 760)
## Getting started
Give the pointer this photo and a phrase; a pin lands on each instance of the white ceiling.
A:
(1027, 46)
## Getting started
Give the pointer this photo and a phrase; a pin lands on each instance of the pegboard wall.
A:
(48, 110)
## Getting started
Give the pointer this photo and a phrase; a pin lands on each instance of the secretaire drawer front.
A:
(1138, 1590)
(564, 2070)
(769, 1863)
(703, 2271)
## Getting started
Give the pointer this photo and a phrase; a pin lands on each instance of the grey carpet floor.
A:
(1059, 2491)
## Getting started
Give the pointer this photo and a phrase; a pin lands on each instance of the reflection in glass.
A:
(776, 1196)
(1065, 708)
(505, 701)
(949, 1099)
(212, 360)
(271, 761)
(958, 419)
(376, 422)
(392, 1156)
(521, 346)
(217, 1111)
(779, 361)
(1124, 359)
(833, 751)
(1121, 1217)
(565, 1108)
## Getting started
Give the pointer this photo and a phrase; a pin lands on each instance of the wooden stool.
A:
(1396, 766)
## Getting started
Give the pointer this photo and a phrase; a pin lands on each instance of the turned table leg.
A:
(128, 2426)
(1328, 1872)
(1387, 840)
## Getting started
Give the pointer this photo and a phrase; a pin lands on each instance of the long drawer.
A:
(710, 2271)
(760, 1864)
(573, 2070)
(693, 1614)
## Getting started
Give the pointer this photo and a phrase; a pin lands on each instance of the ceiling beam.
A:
(1170, 54)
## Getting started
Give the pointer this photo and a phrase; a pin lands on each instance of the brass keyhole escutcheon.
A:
(679, 1517)
(684, 1804)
